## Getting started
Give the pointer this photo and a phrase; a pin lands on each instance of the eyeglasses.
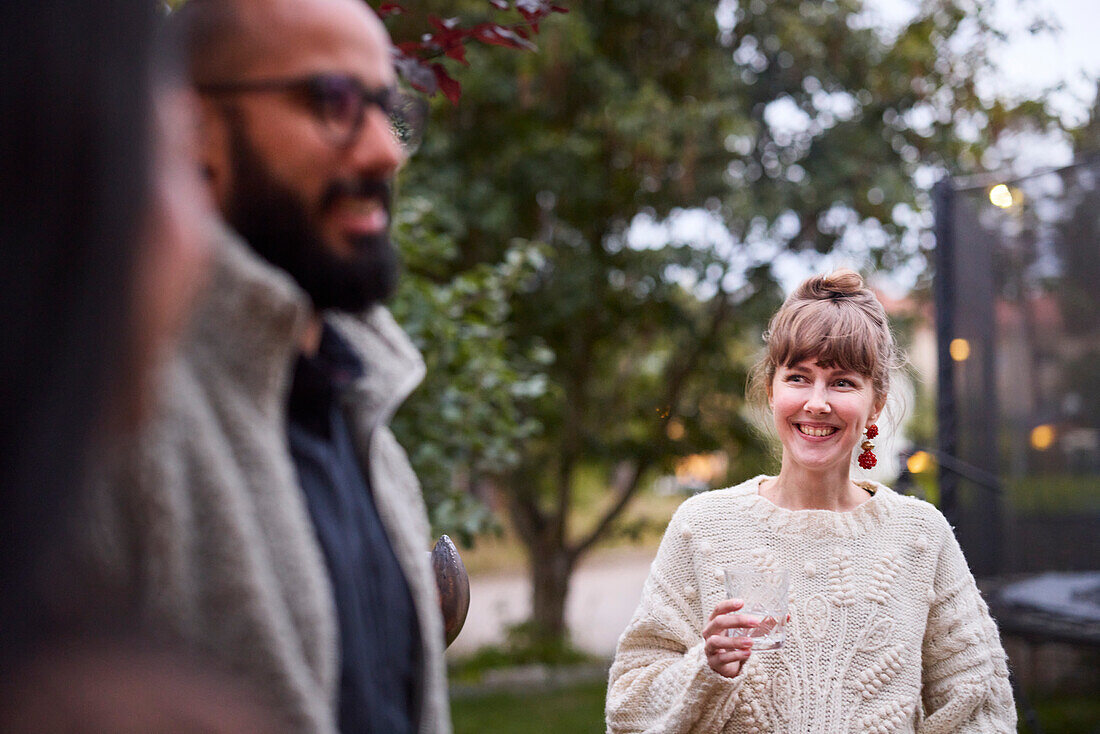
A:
(340, 102)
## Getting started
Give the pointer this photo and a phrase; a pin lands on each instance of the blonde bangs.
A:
(828, 333)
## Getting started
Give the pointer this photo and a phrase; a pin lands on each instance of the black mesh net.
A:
(1023, 356)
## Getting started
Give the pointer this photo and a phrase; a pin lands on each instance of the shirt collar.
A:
(321, 379)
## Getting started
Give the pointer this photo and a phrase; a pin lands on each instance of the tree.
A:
(464, 421)
(783, 126)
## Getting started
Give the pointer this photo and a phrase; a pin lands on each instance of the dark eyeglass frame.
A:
(405, 112)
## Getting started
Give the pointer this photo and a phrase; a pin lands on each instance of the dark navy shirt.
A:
(379, 635)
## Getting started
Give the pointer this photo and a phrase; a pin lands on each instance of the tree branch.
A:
(624, 492)
(676, 375)
(676, 378)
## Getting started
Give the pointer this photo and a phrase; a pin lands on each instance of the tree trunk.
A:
(551, 568)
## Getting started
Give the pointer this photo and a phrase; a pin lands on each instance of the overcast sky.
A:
(1074, 57)
(1032, 62)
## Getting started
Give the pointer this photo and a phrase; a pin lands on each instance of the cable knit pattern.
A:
(888, 632)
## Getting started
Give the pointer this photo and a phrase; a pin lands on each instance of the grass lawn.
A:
(579, 710)
(574, 710)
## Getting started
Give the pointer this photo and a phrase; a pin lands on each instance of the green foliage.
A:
(1053, 494)
(1030, 495)
(464, 421)
(1086, 139)
(927, 487)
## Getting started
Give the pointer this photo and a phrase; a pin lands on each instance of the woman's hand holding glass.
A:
(725, 654)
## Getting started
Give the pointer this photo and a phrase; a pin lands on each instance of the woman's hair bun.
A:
(840, 283)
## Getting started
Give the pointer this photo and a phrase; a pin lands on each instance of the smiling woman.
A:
(820, 413)
(886, 630)
(825, 378)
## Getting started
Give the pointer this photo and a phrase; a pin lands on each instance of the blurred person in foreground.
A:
(74, 173)
(267, 516)
(100, 212)
(99, 218)
(887, 631)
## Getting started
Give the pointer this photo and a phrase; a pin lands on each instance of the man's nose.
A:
(376, 151)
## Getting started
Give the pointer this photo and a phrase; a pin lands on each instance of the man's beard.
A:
(276, 223)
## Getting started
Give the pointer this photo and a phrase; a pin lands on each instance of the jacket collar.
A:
(393, 365)
(253, 315)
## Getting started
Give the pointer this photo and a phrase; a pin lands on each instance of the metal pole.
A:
(943, 196)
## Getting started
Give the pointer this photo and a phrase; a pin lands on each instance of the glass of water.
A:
(765, 596)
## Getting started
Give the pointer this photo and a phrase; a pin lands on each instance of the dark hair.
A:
(836, 320)
(75, 133)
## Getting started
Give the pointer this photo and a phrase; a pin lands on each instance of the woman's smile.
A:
(816, 431)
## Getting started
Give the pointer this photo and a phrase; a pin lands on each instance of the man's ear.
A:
(214, 147)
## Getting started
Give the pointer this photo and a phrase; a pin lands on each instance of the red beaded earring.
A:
(868, 459)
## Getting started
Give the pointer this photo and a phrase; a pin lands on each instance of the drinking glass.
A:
(765, 596)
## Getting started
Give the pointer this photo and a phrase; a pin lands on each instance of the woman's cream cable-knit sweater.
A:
(888, 632)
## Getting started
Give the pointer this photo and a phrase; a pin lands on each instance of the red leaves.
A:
(458, 53)
(447, 84)
(416, 60)
(495, 35)
(449, 38)
(535, 10)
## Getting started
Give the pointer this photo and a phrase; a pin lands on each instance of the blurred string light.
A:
(1001, 196)
(702, 469)
(959, 350)
(919, 462)
(1042, 437)
(675, 429)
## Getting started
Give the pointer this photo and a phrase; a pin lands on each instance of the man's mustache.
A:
(360, 188)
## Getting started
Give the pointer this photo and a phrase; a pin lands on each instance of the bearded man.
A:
(268, 518)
